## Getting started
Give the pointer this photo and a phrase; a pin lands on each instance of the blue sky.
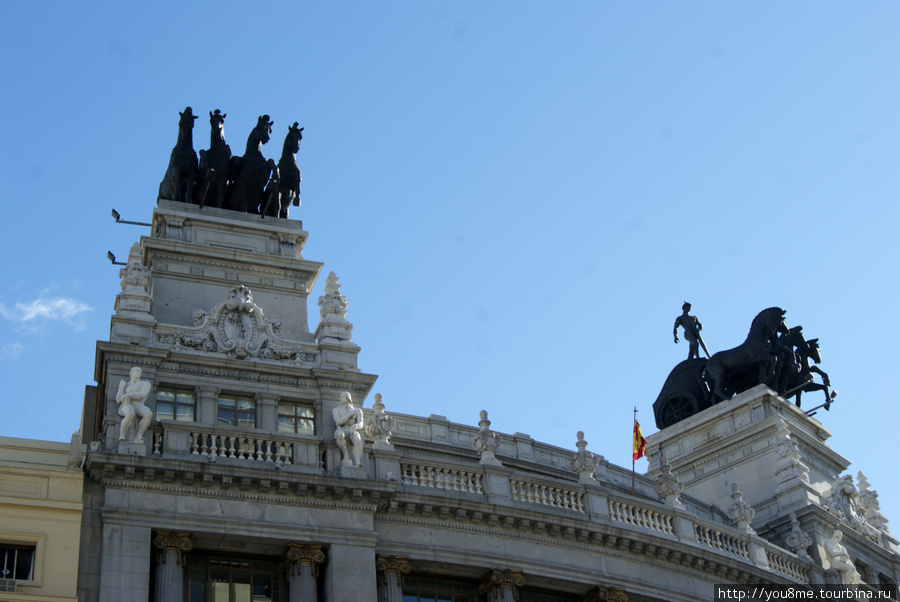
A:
(516, 196)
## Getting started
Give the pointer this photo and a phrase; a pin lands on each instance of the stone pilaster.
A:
(301, 565)
(390, 577)
(169, 572)
(207, 399)
(267, 411)
(501, 585)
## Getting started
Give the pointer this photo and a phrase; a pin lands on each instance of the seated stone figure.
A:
(131, 397)
(839, 559)
(348, 421)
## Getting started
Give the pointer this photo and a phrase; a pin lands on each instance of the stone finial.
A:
(797, 540)
(486, 442)
(740, 511)
(135, 283)
(333, 312)
(299, 554)
(789, 467)
(839, 560)
(381, 426)
(168, 543)
(668, 487)
(584, 462)
(868, 501)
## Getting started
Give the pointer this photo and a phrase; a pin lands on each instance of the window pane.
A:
(186, 397)
(246, 419)
(244, 403)
(165, 395)
(287, 409)
(226, 402)
(184, 413)
(306, 427)
(164, 411)
(286, 424)
(226, 416)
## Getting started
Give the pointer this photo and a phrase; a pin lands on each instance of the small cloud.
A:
(38, 312)
(11, 351)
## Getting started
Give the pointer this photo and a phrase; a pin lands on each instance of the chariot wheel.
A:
(677, 408)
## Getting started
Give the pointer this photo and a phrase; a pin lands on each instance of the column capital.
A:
(175, 543)
(392, 565)
(300, 554)
(501, 579)
(603, 593)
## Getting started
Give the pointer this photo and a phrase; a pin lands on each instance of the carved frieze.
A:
(238, 328)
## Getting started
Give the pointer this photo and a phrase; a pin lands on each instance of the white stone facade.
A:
(245, 468)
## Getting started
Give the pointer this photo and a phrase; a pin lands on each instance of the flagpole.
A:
(632, 455)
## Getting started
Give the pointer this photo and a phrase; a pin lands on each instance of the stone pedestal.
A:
(353, 472)
(770, 447)
(132, 448)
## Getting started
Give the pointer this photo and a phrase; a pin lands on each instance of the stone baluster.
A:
(501, 585)
(301, 566)
(390, 577)
(169, 573)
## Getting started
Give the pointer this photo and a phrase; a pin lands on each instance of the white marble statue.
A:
(348, 422)
(839, 559)
(131, 397)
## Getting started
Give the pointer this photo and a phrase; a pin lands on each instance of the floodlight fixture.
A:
(112, 258)
(119, 220)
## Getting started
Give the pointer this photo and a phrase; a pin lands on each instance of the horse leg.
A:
(799, 393)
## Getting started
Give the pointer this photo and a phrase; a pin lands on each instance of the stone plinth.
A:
(132, 448)
(770, 447)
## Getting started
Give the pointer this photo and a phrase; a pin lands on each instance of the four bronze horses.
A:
(250, 184)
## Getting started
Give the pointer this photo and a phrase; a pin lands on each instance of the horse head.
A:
(293, 138)
(186, 125)
(813, 351)
(217, 123)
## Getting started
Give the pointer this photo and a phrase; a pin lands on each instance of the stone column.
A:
(501, 585)
(301, 566)
(169, 565)
(390, 577)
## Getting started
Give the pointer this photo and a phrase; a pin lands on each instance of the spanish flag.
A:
(639, 443)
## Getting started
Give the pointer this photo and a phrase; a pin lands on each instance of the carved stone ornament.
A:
(584, 462)
(502, 584)
(844, 500)
(298, 554)
(392, 565)
(797, 540)
(868, 501)
(236, 327)
(603, 593)
(740, 511)
(668, 487)
(333, 313)
(173, 543)
(135, 282)
(789, 466)
(381, 426)
(486, 442)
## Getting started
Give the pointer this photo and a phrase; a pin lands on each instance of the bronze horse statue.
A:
(178, 183)
(796, 374)
(215, 163)
(289, 172)
(752, 362)
(252, 172)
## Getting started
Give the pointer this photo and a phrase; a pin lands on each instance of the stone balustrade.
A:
(647, 518)
(438, 477)
(714, 537)
(546, 495)
(253, 447)
(789, 565)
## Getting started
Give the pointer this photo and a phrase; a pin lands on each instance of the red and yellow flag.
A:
(639, 443)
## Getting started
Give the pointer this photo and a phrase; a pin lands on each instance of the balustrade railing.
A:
(546, 495)
(647, 518)
(712, 537)
(451, 479)
(240, 447)
(781, 563)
